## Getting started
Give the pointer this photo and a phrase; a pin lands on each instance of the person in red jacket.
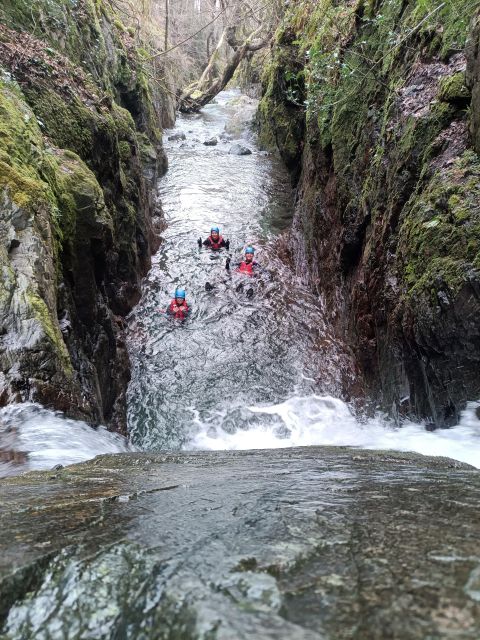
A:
(178, 307)
(248, 266)
(214, 241)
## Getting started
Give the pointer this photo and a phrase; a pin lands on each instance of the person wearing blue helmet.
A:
(178, 307)
(215, 241)
(248, 265)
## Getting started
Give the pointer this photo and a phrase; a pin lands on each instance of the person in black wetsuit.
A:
(215, 241)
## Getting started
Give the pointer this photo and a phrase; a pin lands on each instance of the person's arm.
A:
(207, 243)
(199, 242)
(229, 264)
(226, 244)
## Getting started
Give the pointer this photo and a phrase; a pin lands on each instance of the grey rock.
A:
(443, 299)
(239, 150)
(211, 142)
(175, 137)
(279, 544)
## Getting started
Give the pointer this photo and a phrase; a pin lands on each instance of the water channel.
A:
(243, 372)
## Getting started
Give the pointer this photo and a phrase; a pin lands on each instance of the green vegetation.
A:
(31, 201)
(370, 105)
(77, 121)
(352, 62)
(440, 235)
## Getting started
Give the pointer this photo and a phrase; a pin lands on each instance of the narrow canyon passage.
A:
(244, 372)
(193, 382)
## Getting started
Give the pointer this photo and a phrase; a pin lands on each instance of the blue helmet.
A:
(250, 250)
(214, 230)
(180, 293)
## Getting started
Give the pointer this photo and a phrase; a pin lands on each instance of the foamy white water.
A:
(32, 437)
(323, 420)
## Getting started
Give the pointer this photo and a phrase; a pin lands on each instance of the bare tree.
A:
(198, 44)
(203, 91)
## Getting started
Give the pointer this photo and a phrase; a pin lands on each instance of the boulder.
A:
(211, 142)
(239, 150)
(178, 135)
(303, 544)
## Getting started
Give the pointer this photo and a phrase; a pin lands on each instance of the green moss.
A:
(454, 89)
(125, 150)
(20, 137)
(119, 25)
(43, 315)
(281, 119)
(444, 24)
(70, 125)
(81, 205)
(440, 234)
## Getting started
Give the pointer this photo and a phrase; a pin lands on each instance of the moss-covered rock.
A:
(388, 212)
(80, 155)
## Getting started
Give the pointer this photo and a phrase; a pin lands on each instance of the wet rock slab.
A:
(305, 543)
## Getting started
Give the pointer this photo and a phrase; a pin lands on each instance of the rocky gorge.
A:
(81, 153)
(270, 484)
(374, 108)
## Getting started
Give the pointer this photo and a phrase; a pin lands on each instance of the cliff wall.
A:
(370, 105)
(80, 155)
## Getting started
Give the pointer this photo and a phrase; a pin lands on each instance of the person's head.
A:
(215, 233)
(249, 253)
(179, 295)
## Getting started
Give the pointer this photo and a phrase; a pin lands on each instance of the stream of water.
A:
(243, 372)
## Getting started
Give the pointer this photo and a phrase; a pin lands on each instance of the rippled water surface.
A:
(234, 350)
(245, 373)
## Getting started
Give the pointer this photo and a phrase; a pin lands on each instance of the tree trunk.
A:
(202, 92)
(167, 2)
(210, 69)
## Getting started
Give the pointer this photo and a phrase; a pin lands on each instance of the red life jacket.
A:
(246, 267)
(179, 312)
(215, 245)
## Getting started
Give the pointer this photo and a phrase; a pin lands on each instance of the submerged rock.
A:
(179, 135)
(314, 543)
(211, 142)
(239, 150)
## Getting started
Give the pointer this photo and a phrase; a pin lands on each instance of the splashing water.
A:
(32, 437)
(241, 373)
(324, 420)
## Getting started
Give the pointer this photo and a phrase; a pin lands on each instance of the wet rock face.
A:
(387, 226)
(78, 212)
(307, 543)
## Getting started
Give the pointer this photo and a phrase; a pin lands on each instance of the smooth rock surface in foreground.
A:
(295, 544)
